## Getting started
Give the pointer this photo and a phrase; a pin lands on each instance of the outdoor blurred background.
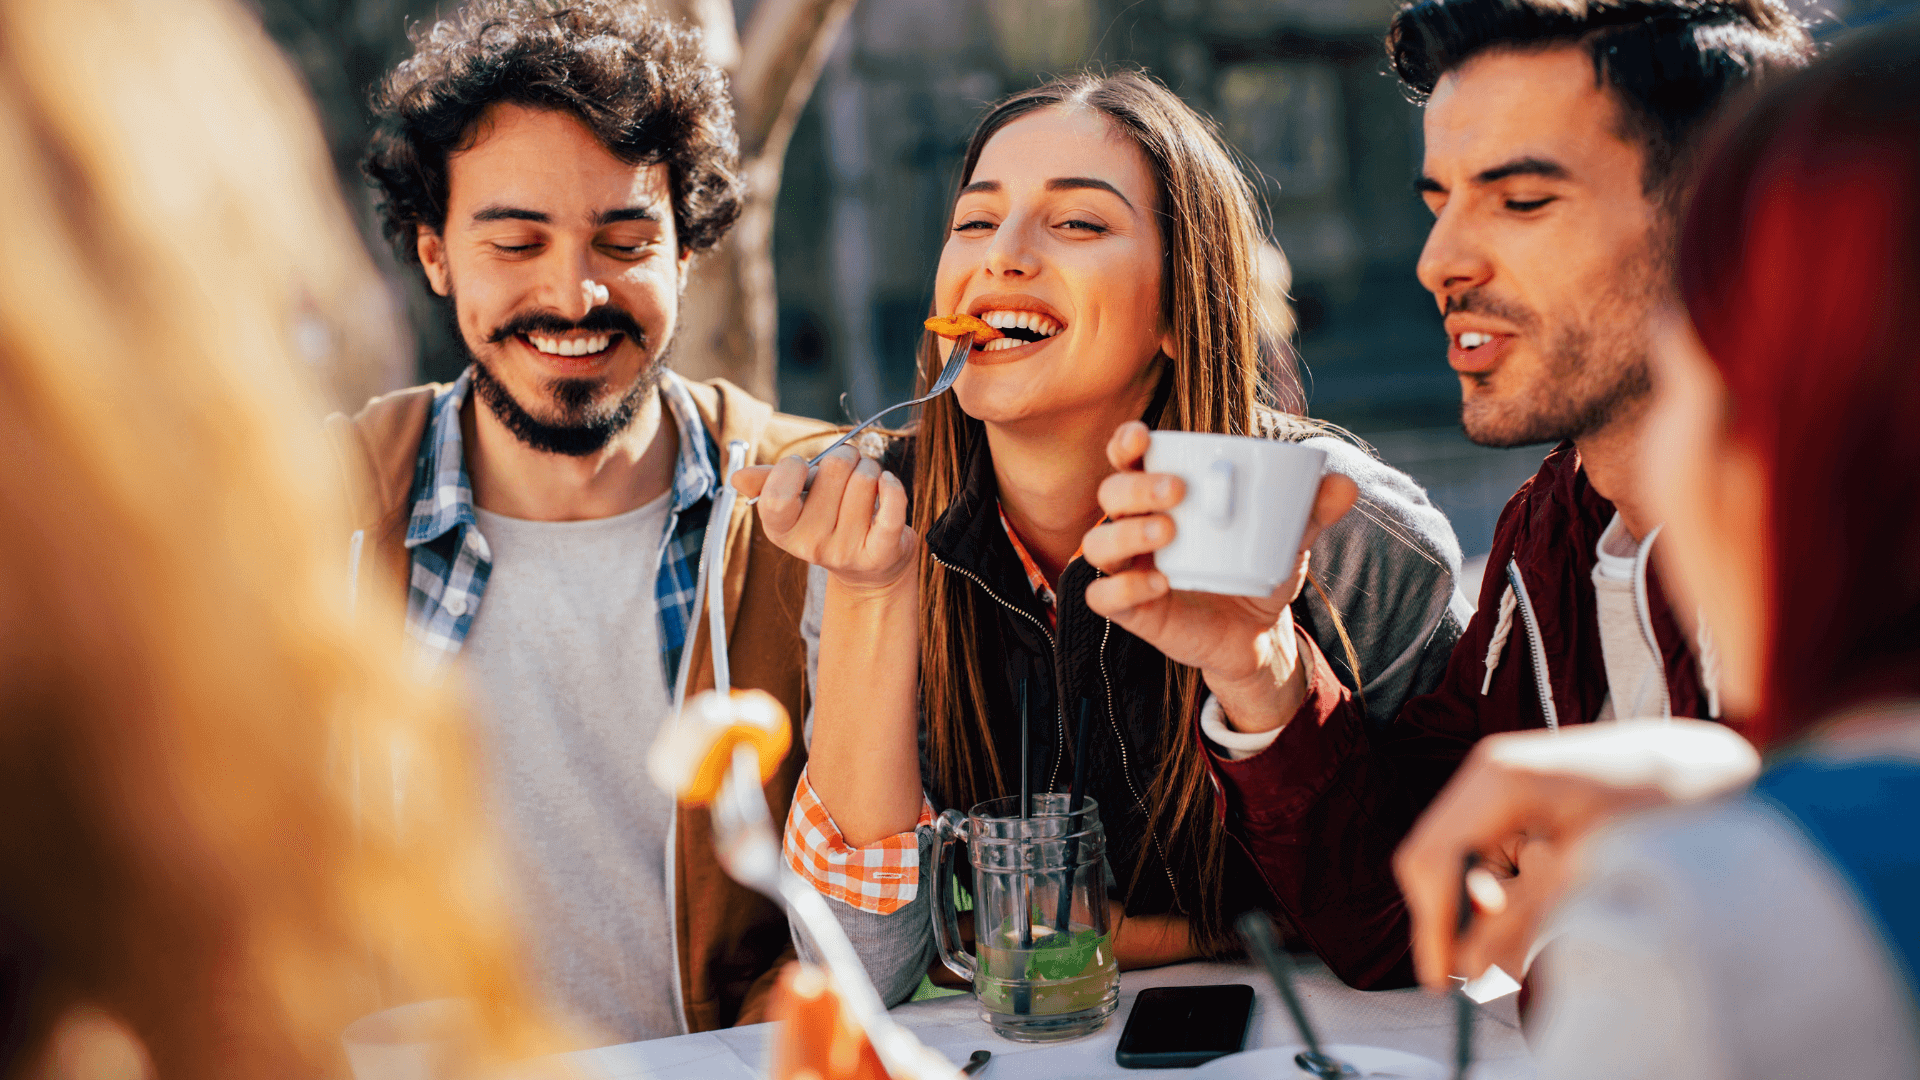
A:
(864, 160)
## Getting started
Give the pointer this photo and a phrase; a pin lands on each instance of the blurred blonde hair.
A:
(189, 711)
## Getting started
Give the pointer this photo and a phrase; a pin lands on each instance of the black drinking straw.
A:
(1022, 995)
(1026, 794)
(1076, 802)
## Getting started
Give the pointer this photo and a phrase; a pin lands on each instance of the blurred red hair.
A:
(1799, 262)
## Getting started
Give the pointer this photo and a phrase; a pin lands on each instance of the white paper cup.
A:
(1237, 532)
(421, 1040)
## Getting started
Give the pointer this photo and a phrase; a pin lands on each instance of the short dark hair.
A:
(639, 83)
(1670, 63)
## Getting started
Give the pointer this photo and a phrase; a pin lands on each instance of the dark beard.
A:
(584, 427)
(1592, 374)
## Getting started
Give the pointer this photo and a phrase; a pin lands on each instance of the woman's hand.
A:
(1147, 941)
(1244, 647)
(1536, 795)
(864, 759)
(853, 522)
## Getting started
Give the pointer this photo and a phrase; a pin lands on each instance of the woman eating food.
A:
(1104, 232)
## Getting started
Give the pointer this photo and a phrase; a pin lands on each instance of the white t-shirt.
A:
(564, 658)
(1636, 677)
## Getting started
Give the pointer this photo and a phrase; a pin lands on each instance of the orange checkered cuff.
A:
(880, 878)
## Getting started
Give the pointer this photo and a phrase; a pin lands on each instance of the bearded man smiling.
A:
(554, 172)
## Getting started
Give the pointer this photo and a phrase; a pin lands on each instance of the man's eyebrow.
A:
(627, 213)
(1428, 185)
(497, 212)
(1525, 166)
(1084, 183)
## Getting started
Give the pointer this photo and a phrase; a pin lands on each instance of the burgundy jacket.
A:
(1322, 809)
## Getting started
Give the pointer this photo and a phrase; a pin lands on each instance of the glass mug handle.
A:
(951, 830)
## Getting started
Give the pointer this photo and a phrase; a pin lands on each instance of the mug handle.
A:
(951, 830)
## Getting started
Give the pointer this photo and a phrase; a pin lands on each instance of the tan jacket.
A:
(731, 940)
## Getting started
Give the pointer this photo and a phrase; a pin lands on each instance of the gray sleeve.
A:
(896, 948)
(1713, 942)
(1389, 568)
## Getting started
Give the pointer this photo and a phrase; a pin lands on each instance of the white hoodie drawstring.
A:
(1501, 630)
(1709, 663)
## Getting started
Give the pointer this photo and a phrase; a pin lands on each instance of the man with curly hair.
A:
(554, 171)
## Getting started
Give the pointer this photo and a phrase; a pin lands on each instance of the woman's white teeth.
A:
(1021, 320)
(1001, 343)
(1473, 340)
(583, 346)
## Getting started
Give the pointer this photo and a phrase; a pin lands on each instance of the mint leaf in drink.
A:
(1062, 956)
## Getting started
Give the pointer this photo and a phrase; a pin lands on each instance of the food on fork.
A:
(952, 326)
(693, 758)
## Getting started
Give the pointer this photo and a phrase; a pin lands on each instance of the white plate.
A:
(1276, 1063)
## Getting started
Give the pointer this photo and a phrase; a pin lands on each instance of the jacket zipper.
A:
(1539, 648)
(1060, 711)
(1060, 707)
(1126, 767)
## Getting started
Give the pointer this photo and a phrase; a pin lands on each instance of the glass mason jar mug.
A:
(1042, 966)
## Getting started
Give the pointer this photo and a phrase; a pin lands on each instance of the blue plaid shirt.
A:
(451, 560)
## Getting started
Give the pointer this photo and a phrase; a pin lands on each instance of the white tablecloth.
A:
(1406, 1020)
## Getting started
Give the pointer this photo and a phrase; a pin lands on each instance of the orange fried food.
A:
(952, 326)
(696, 754)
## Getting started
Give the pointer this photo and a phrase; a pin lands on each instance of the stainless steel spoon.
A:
(956, 360)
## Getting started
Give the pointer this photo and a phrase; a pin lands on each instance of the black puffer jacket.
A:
(1123, 679)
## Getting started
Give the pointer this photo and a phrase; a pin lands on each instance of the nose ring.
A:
(594, 293)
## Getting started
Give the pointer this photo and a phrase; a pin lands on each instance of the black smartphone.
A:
(1174, 1027)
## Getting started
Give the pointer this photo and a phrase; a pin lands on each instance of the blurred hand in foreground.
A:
(1527, 799)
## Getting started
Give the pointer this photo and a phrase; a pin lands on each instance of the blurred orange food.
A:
(816, 1039)
(952, 326)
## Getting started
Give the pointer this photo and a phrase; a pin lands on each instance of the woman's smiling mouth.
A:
(1021, 327)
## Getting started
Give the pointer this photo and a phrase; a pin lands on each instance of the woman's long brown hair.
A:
(203, 752)
(1209, 297)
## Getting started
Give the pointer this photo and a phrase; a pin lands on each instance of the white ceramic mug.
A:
(1237, 531)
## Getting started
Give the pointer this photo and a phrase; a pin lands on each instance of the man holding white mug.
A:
(1555, 150)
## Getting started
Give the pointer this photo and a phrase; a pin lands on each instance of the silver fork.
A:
(749, 850)
(748, 843)
(956, 360)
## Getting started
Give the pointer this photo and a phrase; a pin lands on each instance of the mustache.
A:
(1478, 302)
(603, 319)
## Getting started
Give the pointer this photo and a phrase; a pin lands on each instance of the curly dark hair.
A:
(639, 83)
